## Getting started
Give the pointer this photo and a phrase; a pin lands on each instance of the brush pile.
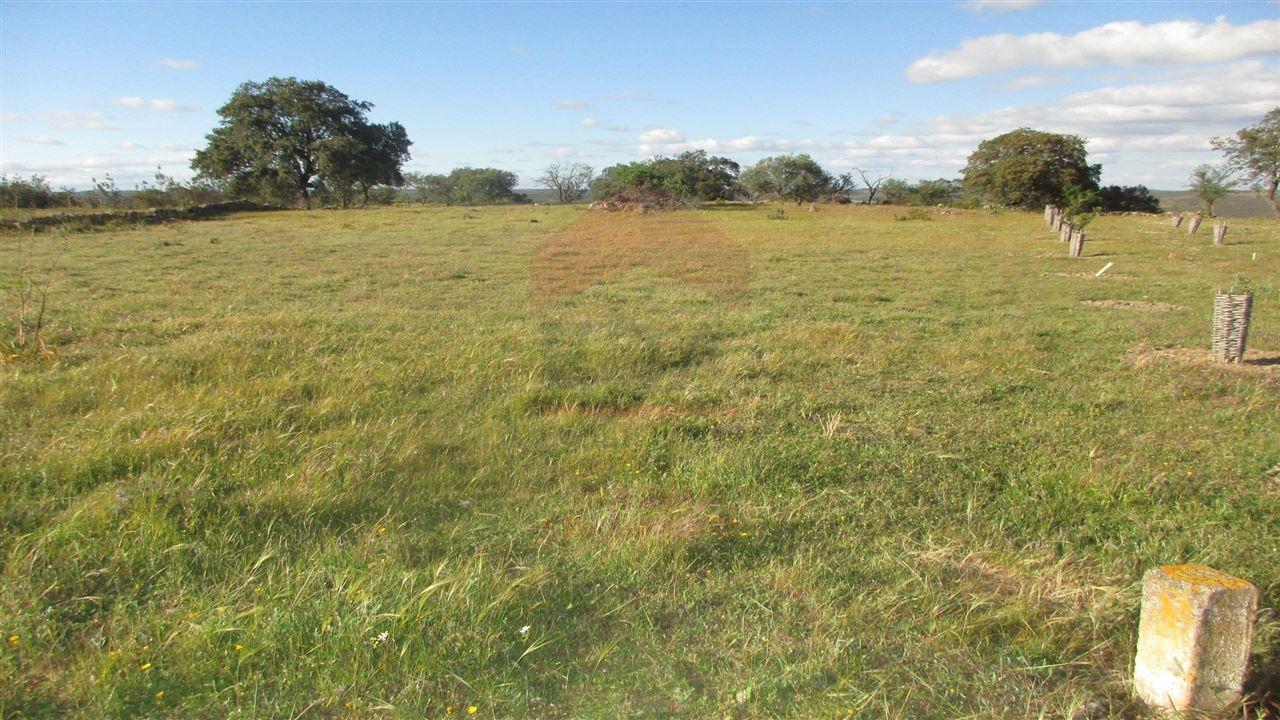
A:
(640, 200)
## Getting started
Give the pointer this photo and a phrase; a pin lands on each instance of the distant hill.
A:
(1238, 204)
(539, 195)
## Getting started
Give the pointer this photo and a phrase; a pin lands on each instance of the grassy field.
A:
(538, 462)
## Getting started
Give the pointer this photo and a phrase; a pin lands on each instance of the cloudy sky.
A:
(907, 89)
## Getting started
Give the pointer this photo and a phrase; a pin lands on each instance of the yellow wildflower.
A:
(159, 694)
(144, 667)
(14, 640)
(472, 710)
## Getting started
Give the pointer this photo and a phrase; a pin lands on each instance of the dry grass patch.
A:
(1143, 305)
(1104, 276)
(599, 247)
(1264, 363)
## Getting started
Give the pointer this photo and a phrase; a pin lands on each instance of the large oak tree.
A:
(1029, 168)
(285, 138)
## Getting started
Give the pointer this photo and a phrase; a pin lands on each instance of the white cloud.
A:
(177, 64)
(1113, 44)
(564, 151)
(1029, 82)
(159, 104)
(589, 122)
(127, 170)
(568, 104)
(978, 6)
(42, 140)
(66, 119)
(167, 105)
(661, 135)
(131, 146)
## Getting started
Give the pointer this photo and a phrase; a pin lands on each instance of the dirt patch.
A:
(1256, 362)
(600, 246)
(1144, 305)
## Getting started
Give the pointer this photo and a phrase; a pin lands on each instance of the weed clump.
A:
(915, 213)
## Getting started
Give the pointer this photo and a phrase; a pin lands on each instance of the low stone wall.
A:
(132, 217)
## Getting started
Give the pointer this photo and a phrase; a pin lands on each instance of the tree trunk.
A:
(1271, 195)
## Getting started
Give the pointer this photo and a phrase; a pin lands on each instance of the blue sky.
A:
(907, 89)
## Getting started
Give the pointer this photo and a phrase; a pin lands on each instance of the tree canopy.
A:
(1254, 152)
(792, 177)
(1211, 184)
(1128, 198)
(1029, 168)
(467, 186)
(568, 180)
(287, 138)
(692, 175)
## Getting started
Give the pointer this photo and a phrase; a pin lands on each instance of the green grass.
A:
(330, 464)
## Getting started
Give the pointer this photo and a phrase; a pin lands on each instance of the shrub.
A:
(167, 192)
(1131, 198)
(32, 192)
(694, 175)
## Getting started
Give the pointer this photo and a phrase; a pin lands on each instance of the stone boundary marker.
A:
(1194, 638)
(1076, 248)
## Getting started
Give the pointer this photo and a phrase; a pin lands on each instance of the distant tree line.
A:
(287, 141)
(466, 186)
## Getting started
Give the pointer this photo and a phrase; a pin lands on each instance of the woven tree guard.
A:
(1177, 220)
(1048, 214)
(1076, 247)
(1230, 325)
(1194, 225)
(1067, 229)
(1219, 233)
